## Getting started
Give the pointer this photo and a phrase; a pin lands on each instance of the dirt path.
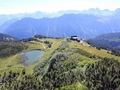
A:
(5, 67)
(43, 46)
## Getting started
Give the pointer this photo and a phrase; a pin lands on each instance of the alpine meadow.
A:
(59, 45)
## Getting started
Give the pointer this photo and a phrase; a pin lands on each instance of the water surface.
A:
(32, 57)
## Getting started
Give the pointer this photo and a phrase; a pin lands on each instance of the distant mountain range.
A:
(85, 24)
(6, 38)
(39, 14)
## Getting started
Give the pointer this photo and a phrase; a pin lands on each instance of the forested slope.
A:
(71, 66)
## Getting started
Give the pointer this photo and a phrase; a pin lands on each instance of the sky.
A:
(22, 6)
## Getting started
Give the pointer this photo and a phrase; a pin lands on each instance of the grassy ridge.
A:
(62, 67)
(93, 50)
(13, 62)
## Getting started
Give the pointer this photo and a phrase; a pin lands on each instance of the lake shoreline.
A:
(28, 56)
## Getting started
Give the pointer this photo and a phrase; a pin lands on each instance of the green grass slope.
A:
(64, 66)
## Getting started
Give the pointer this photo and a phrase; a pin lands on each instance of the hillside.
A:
(64, 65)
(111, 40)
(85, 24)
(82, 25)
(6, 38)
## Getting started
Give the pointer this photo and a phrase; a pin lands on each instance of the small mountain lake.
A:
(32, 56)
